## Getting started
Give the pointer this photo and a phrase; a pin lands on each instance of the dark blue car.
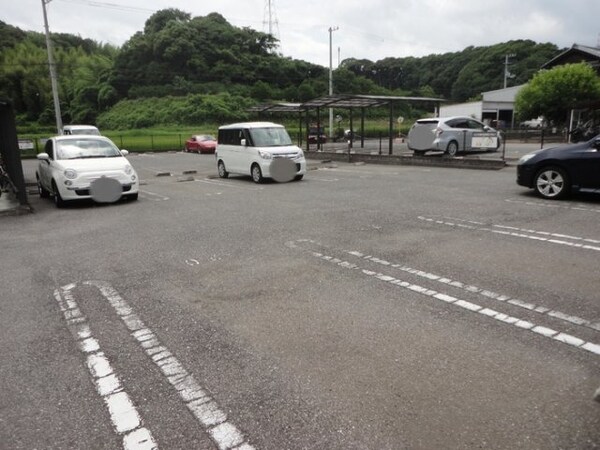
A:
(555, 172)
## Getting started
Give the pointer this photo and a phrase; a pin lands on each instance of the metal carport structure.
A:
(362, 102)
(350, 102)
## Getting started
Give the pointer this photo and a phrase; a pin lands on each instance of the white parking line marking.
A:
(198, 401)
(520, 233)
(554, 205)
(468, 306)
(483, 292)
(123, 414)
(152, 196)
(229, 184)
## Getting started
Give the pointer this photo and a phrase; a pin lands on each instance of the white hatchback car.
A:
(452, 135)
(83, 167)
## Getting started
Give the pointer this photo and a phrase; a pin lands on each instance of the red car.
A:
(201, 143)
(316, 135)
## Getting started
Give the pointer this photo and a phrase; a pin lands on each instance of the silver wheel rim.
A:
(256, 173)
(452, 149)
(221, 169)
(550, 183)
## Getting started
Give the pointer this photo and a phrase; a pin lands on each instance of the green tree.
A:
(553, 93)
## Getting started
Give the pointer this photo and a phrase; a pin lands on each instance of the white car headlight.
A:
(265, 155)
(128, 170)
(300, 154)
(526, 157)
(71, 174)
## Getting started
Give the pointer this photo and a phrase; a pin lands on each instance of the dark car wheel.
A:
(58, 200)
(452, 148)
(222, 171)
(298, 177)
(256, 173)
(41, 189)
(552, 183)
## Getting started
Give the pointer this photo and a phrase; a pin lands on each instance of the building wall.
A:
(472, 109)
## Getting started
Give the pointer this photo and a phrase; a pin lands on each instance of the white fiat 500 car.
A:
(83, 167)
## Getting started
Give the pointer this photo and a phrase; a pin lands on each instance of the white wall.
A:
(472, 109)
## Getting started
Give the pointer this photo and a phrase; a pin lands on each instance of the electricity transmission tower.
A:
(270, 22)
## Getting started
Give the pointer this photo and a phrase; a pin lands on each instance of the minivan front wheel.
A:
(222, 171)
(452, 148)
(256, 173)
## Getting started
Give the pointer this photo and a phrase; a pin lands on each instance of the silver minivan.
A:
(452, 135)
(259, 149)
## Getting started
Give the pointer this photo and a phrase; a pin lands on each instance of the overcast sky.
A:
(373, 29)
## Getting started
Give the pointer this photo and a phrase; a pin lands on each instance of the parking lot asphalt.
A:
(509, 153)
(366, 306)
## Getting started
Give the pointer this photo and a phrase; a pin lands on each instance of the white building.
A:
(496, 106)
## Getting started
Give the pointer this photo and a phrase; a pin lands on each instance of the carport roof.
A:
(277, 107)
(341, 101)
(362, 101)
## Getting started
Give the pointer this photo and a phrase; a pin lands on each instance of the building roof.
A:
(577, 53)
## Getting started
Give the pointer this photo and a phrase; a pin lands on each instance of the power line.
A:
(111, 6)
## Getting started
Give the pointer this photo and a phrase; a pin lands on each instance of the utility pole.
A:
(507, 74)
(331, 30)
(52, 67)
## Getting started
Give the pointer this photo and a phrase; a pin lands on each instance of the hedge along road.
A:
(363, 307)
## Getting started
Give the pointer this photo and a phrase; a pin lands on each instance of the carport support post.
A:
(362, 127)
(351, 132)
(391, 139)
(307, 128)
(300, 128)
(318, 128)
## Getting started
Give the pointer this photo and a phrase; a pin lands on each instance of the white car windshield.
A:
(270, 137)
(89, 131)
(86, 148)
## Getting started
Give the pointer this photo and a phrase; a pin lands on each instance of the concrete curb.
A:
(429, 161)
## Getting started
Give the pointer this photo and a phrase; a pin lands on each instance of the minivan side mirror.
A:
(243, 143)
(124, 152)
(43, 156)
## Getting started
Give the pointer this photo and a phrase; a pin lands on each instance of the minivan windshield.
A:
(270, 137)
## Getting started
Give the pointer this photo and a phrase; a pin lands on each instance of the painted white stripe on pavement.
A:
(483, 292)
(123, 414)
(472, 307)
(521, 234)
(212, 418)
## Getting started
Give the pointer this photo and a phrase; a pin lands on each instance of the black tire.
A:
(256, 173)
(44, 193)
(298, 177)
(132, 197)
(552, 183)
(58, 200)
(452, 148)
(222, 171)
